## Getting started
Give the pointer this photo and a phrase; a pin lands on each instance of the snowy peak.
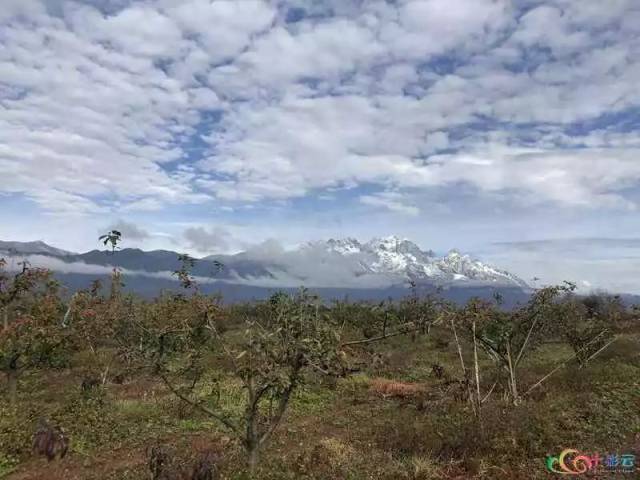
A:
(394, 255)
(345, 246)
(397, 245)
(391, 243)
(464, 267)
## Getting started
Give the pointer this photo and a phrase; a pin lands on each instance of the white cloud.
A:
(137, 106)
(223, 27)
(573, 177)
(204, 240)
(315, 51)
(139, 30)
(430, 27)
(393, 201)
(592, 263)
(59, 266)
(129, 230)
(313, 266)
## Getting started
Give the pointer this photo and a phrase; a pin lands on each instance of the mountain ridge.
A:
(400, 255)
(384, 261)
(333, 268)
(33, 247)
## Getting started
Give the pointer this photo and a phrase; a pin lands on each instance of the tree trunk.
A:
(252, 440)
(455, 335)
(116, 284)
(254, 458)
(477, 370)
(512, 376)
(12, 385)
(5, 317)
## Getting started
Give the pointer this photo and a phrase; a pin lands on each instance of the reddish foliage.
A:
(393, 388)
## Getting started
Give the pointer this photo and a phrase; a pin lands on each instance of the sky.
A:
(506, 129)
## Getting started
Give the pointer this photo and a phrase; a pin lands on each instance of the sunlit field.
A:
(294, 388)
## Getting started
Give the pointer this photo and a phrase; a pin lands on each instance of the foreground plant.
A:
(50, 441)
(588, 323)
(163, 465)
(509, 337)
(282, 340)
(113, 237)
(30, 335)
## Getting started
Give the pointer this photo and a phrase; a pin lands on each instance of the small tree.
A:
(92, 321)
(30, 311)
(373, 323)
(278, 344)
(112, 237)
(587, 325)
(470, 319)
(187, 280)
(509, 337)
(100, 326)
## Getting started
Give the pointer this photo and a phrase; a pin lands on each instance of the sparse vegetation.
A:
(186, 387)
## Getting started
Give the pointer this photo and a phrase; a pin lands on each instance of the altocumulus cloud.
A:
(143, 105)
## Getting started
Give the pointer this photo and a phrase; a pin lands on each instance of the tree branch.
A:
(225, 421)
(282, 405)
(539, 382)
(526, 341)
(606, 345)
(380, 337)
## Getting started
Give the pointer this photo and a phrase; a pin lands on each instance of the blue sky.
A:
(211, 126)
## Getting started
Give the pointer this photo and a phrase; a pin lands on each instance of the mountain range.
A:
(380, 268)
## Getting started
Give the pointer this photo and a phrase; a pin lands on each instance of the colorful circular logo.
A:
(569, 463)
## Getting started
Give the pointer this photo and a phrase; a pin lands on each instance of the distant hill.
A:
(381, 268)
(37, 247)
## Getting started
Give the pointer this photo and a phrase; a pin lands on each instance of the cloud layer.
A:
(419, 115)
(609, 264)
(139, 105)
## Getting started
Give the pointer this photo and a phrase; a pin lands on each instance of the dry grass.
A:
(395, 389)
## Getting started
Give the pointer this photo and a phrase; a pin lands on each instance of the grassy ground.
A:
(345, 429)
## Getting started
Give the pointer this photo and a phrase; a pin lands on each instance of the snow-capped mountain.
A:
(380, 268)
(398, 256)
